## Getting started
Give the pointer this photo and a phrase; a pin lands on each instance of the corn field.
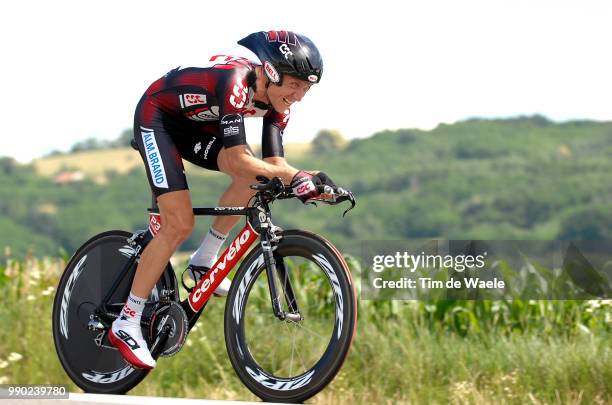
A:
(436, 351)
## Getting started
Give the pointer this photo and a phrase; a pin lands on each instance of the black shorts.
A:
(164, 140)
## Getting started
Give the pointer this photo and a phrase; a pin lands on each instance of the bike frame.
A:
(258, 226)
(232, 255)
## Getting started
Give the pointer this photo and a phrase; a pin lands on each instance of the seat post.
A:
(154, 205)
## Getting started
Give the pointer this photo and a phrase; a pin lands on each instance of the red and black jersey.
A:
(217, 99)
(193, 113)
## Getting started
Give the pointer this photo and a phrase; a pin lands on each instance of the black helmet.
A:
(285, 52)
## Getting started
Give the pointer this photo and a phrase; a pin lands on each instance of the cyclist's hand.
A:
(303, 186)
(307, 186)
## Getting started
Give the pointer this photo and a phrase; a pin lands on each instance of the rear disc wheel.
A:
(87, 356)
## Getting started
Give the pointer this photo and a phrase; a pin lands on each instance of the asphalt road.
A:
(98, 399)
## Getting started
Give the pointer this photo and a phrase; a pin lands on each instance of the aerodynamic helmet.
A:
(285, 52)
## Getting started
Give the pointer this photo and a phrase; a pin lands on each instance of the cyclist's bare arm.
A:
(278, 161)
(281, 161)
(238, 161)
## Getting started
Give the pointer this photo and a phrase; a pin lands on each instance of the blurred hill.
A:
(96, 162)
(519, 178)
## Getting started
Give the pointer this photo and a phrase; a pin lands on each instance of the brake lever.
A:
(273, 187)
(263, 183)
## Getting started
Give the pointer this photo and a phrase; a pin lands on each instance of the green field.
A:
(555, 352)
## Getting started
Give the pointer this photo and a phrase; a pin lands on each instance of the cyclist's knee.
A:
(241, 189)
(177, 216)
(178, 227)
(242, 183)
(177, 224)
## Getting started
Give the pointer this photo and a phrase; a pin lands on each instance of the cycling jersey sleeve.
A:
(274, 124)
(232, 94)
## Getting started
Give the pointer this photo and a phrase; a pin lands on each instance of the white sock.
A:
(132, 310)
(206, 255)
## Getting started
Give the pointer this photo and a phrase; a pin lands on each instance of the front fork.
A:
(275, 264)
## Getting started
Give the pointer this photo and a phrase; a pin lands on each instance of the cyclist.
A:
(197, 114)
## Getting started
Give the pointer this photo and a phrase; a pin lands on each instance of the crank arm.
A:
(160, 341)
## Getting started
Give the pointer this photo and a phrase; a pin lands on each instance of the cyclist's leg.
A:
(237, 194)
(204, 148)
(167, 179)
(166, 176)
(177, 219)
(201, 145)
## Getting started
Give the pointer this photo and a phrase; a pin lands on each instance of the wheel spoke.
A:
(310, 331)
(304, 368)
(262, 345)
(292, 350)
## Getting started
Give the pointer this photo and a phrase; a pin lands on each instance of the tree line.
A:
(521, 178)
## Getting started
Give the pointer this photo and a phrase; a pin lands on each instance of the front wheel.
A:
(293, 359)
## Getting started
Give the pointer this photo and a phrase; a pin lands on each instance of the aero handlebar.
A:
(274, 189)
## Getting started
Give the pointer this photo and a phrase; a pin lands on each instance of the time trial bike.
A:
(290, 314)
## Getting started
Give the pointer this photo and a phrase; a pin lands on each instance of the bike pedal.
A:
(198, 271)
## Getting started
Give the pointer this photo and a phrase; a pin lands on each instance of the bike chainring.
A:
(173, 315)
